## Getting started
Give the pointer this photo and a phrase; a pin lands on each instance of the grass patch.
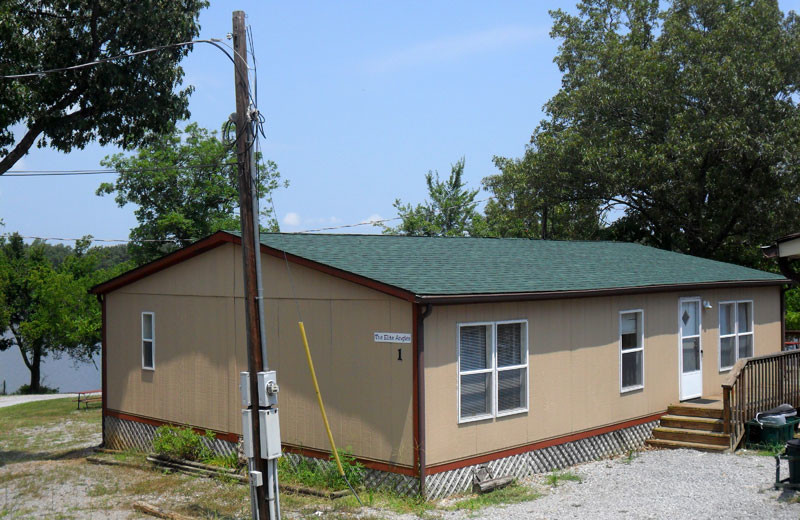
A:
(630, 456)
(401, 504)
(224, 461)
(41, 429)
(512, 494)
(556, 477)
(40, 413)
(769, 450)
(321, 475)
(99, 490)
(154, 484)
(9, 477)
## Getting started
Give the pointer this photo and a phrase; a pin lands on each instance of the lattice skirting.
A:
(373, 478)
(544, 460)
(122, 434)
(133, 435)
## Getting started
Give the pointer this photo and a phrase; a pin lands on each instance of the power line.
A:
(99, 171)
(119, 240)
(211, 41)
(40, 73)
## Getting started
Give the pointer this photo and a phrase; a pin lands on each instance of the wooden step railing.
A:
(757, 384)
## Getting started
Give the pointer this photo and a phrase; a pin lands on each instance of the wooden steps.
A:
(691, 426)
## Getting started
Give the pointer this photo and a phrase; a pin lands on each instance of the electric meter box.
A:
(244, 388)
(267, 389)
(247, 433)
(270, 434)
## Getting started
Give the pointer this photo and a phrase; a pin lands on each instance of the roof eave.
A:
(451, 299)
(201, 246)
(223, 237)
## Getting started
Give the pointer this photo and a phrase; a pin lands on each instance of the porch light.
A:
(707, 304)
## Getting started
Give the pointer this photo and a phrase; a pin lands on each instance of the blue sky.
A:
(361, 100)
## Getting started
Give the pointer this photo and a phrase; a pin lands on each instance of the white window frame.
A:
(152, 341)
(736, 334)
(493, 369)
(626, 389)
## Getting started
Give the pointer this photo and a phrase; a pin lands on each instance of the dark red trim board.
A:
(415, 382)
(369, 463)
(480, 459)
(225, 436)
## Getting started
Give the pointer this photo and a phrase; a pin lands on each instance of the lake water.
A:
(62, 373)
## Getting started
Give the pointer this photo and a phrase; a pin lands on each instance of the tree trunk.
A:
(544, 223)
(36, 369)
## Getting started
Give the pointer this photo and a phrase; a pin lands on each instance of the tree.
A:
(528, 203)
(124, 102)
(681, 121)
(185, 186)
(793, 309)
(451, 210)
(48, 310)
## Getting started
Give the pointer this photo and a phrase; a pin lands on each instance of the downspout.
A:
(421, 393)
(783, 317)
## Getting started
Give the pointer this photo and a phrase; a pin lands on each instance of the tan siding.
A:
(574, 365)
(191, 380)
(208, 274)
(200, 350)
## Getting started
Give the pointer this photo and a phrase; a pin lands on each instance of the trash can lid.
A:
(793, 443)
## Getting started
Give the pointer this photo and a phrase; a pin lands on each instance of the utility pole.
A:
(260, 469)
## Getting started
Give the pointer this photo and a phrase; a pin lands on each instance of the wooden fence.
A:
(757, 384)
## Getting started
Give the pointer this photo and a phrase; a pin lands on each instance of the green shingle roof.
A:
(449, 266)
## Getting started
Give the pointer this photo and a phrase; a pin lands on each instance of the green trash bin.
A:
(761, 435)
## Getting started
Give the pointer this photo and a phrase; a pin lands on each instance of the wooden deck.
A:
(710, 401)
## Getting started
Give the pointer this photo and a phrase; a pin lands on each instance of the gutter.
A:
(450, 299)
(421, 393)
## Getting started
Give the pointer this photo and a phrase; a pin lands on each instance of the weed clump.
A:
(323, 475)
(182, 443)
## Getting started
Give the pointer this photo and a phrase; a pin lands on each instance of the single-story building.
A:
(434, 355)
(786, 250)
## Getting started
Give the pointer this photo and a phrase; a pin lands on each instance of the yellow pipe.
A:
(319, 398)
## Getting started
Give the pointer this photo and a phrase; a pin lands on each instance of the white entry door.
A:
(690, 349)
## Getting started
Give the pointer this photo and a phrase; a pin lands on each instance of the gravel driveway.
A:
(11, 400)
(669, 484)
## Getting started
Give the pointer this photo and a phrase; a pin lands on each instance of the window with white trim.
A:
(735, 332)
(492, 369)
(148, 340)
(631, 350)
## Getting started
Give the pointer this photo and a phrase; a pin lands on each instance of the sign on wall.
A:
(392, 337)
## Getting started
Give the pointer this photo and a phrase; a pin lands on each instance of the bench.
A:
(88, 396)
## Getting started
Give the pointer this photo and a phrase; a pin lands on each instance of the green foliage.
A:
(557, 477)
(182, 443)
(530, 201)
(512, 494)
(322, 475)
(451, 210)
(47, 309)
(26, 389)
(185, 187)
(231, 460)
(679, 125)
(793, 309)
(124, 102)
